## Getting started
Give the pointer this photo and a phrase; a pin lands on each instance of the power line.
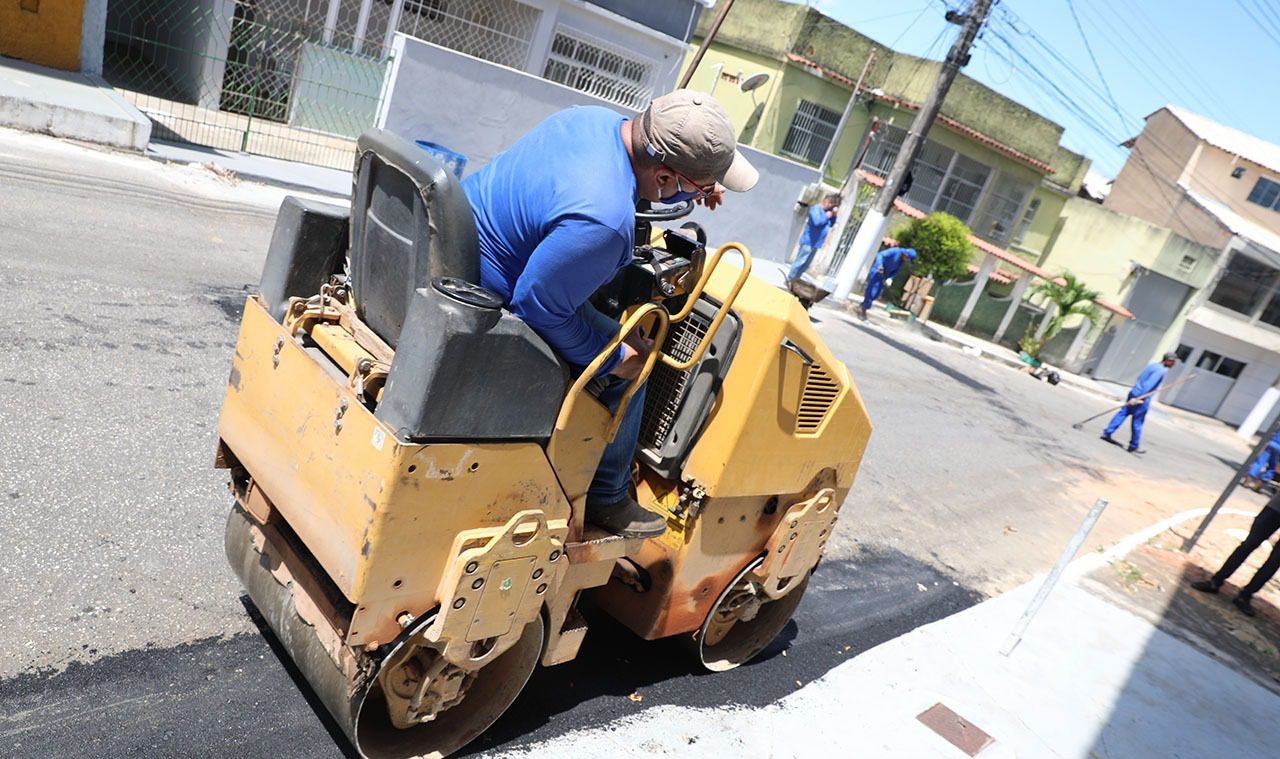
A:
(1071, 6)
(1205, 96)
(1261, 26)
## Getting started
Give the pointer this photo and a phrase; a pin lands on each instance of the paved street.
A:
(126, 633)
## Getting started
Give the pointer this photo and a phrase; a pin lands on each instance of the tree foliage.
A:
(941, 242)
(1069, 296)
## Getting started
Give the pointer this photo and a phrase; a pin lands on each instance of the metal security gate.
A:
(290, 79)
(1155, 301)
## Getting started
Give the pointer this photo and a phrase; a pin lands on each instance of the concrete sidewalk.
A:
(1089, 679)
(287, 174)
(68, 104)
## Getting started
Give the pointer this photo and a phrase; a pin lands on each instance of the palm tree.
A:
(1067, 296)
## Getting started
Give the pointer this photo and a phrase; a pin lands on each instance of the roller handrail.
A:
(589, 373)
(725, 305)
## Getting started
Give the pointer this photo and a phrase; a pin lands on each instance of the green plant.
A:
(1070, 297)
(941, 242)
(1030, 346)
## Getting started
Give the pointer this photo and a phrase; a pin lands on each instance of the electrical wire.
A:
(1093, 58)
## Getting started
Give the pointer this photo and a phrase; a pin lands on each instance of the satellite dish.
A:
(753, 81)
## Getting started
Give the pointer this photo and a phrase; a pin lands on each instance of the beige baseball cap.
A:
(692, 134)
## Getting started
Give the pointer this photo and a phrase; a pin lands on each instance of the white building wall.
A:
(1261, 372)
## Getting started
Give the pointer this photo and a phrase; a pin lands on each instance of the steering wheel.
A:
(667, 213)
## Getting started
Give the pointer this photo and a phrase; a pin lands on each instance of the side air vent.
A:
(820, 392)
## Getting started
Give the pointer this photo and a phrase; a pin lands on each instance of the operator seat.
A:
(464, 368)
(410, 223)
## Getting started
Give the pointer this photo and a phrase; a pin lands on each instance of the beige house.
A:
(1218, 187)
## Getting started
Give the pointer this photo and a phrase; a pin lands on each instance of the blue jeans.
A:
(803, 259)
(1138, 416)
(612, 480)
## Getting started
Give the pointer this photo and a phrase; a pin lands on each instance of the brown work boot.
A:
(626, 519)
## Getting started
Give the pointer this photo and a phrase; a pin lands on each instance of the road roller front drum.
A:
(744, 620)
(408, 704)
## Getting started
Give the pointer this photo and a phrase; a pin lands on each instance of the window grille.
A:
(1025, 225)
(812, 130)
(996, 221)
(595, 67)
(884, 148)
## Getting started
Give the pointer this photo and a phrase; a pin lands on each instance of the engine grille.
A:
(666, 385)
(820, 392)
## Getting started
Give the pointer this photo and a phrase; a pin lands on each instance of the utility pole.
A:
(844, 117)
(706, 42)
(867, 241)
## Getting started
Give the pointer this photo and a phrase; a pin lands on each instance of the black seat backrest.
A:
(410, 223)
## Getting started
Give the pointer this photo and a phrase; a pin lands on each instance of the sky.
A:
(1219, 58)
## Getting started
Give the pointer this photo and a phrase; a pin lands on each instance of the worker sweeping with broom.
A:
(1139, 402)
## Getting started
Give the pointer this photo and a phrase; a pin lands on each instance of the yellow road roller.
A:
(410, 462)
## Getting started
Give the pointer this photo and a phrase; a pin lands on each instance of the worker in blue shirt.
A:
(1139, 402)
(1264, 467)
(821, 218)
(887, 264)
(555, 217)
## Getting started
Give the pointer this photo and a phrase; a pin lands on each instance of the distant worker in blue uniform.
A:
(887, 264)
(1139, 402)
(1264, 467)
(821, 218)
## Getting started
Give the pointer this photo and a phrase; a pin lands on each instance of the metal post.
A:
(1082, 532)
(393, 25)
(706, 42)
(362, 26)
(844, 117)
(1190, 542)
(331, 21)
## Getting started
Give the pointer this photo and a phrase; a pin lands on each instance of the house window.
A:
(595, 67)
(941, 178)
(996, 221)
(1265, 193)
(1023, 226)
(1218, 364)
(1237, 172)
(963, 187)
(928, 174)
(1244, 284)
(812, 130)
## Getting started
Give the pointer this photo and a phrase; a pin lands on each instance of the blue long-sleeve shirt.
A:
(890, 260)
(555, 216)
(1148, 381)
(816, 228)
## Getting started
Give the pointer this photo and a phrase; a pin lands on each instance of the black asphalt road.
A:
(239, 697)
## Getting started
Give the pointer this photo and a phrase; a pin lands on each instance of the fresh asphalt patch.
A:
(241, 697)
